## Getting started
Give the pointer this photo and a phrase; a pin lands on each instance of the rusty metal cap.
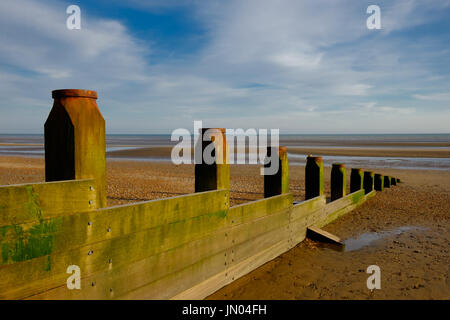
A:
(313, 158)
(63, 93)
(338, 165)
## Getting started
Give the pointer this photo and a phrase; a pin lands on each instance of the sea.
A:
(32, 145)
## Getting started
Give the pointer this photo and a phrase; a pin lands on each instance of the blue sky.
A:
(300, 66)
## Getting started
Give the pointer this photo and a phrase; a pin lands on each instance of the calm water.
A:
(32, 145)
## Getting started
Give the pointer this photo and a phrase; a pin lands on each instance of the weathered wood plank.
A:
(307, 207)
(59, 234)
(34, 202)
(318, 234)
(130, 276)
(252, 210)
(227, 276)
(338, 208)
(160, 250)
(33, 275)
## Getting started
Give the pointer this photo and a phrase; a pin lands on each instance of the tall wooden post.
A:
(313, 177)
(379, 182)
(278, 183)
(216, 175)
(387, 181)
(393, 181)
(75, 143)
(356, 180)
(338, 181)
(368, 182)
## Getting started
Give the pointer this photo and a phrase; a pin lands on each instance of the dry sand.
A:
(414, 264)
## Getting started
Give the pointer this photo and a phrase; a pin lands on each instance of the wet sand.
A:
(414, 264)
(164, 152)
(409, 150)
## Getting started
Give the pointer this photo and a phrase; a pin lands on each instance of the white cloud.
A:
(352, 89)
(297, 60)
(433, 97)
(308, 59)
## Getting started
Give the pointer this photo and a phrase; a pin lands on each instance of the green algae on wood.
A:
(19, 243)
(25, 203)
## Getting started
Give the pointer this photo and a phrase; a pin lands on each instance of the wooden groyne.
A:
(184, 247)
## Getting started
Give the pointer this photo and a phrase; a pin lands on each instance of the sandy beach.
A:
(411, 221)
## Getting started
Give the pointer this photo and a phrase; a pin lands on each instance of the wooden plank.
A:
(299, 226)
(31, 276)
(119, 280)
(128, 277)
(340, 207)
(176, 282)
(45, 236)
(252, 210)
(318, 234)
(307, 207)
(242, 251)
(212, 284)
(161, 260)
(34, 202)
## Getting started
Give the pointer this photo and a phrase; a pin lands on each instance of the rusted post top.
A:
(63, 93)
(314, 159)
(218, 137)
(75, 141)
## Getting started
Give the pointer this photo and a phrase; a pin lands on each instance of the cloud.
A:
(352, 89)
(297, 60)
(433, 97)
(297, 65)
(39, 54)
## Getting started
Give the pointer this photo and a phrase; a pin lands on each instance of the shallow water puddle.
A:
(369, 238)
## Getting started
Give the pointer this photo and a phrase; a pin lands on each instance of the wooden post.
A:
(278, 183)
(215, 175)
(75, 143)
(338, 181)
(393, 181)
(313, 177)
(379, 182)
(356, 180)
(368, 182)
(387, 181)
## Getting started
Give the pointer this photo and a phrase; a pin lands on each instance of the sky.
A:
(309, 67)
